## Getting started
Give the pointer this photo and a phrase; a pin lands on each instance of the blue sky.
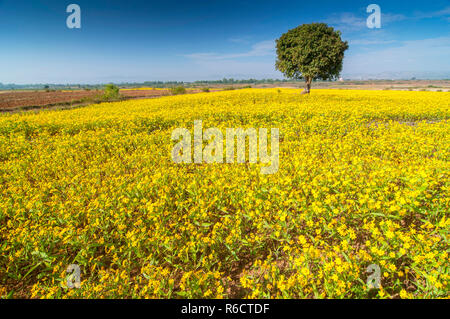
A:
(134, 40)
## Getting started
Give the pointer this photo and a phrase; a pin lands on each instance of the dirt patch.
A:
(13, 100)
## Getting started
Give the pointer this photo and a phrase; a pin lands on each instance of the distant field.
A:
(396, 85)
(363, 180)
(13, 100)
(23, 100)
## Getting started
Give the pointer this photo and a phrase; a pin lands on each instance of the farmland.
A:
(363, 180)
(20, 100)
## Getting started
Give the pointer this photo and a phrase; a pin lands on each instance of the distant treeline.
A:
(164, 84)
(155, 84)
(249, 81)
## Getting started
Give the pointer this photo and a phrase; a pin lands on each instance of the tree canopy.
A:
(311, 52)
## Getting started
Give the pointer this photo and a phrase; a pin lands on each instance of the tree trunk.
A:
(307, 89)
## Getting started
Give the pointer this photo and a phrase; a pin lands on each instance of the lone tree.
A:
(311, 52)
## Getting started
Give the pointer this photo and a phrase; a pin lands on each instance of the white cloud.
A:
(239, 40)
(391, 17)
(348, 22)
(217, 65)
(434, 14)
(370, 42)
(263, 48)
(427, 55)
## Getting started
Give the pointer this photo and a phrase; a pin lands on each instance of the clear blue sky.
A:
(208, 39)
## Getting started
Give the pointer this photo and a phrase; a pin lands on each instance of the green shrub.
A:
(178, 90)
(205, 89)
(111, 92)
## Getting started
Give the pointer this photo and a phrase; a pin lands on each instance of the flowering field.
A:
(363, 180)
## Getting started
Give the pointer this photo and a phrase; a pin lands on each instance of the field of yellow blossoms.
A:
(363, 180)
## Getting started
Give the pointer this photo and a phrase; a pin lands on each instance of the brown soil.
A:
(13, 100)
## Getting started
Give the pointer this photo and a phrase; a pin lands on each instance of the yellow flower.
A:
(97, 186)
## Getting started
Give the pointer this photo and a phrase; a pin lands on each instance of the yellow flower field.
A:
(363, 180)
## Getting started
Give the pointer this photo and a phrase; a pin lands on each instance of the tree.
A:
(311, 52)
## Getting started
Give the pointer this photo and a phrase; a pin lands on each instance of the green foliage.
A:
(311, 52)
(178, 90)
(111, 92)
(205, 90)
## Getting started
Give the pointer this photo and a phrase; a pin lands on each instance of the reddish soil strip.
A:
(10, 100)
